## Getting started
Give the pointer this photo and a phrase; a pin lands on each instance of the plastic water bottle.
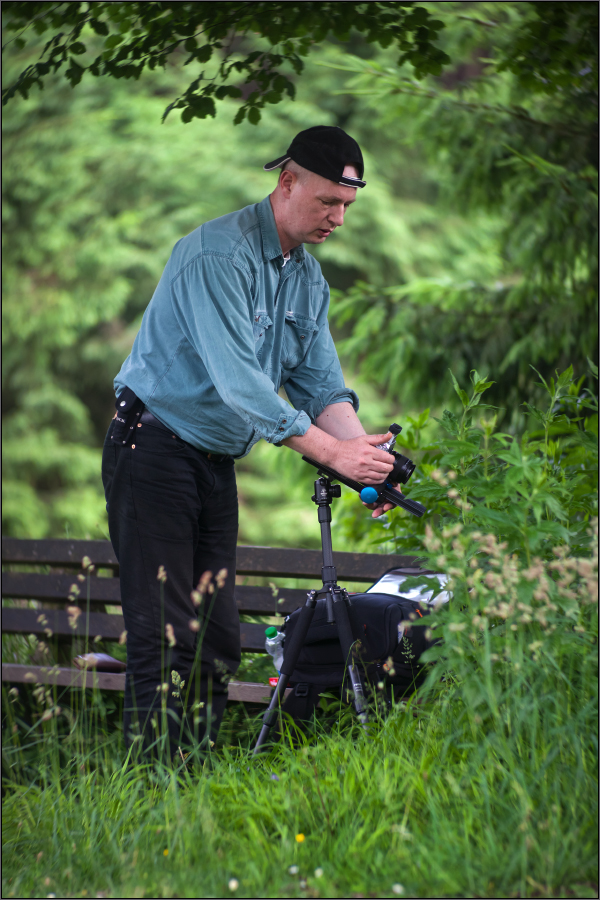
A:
(274, 646)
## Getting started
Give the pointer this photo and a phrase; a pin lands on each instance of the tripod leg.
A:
(347, 640)
(290, 660)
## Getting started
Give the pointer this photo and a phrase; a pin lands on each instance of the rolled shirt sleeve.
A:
(212, 301)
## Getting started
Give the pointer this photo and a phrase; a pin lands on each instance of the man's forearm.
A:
(316, 443)
(338, 421)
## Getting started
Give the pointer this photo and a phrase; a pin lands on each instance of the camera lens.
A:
(403, 469)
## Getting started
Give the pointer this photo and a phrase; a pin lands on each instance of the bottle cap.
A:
(271, 631)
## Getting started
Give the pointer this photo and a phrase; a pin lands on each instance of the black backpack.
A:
(376, 620)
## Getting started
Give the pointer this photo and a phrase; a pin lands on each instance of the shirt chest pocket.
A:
(260, 324)
(299, 333)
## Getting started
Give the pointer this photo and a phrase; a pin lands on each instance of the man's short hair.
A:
(300, 172)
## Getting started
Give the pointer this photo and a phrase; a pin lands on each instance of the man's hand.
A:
(382, 506)
(358, 458)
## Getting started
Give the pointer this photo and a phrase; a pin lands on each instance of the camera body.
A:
(403, 468)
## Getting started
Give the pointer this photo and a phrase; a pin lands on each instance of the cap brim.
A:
(349, 181)
(276, 163)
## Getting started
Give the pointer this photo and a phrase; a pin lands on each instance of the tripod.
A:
(337, 600)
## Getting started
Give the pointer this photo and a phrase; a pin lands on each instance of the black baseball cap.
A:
(325, 150)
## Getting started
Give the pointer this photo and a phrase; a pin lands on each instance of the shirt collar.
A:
(270, 238)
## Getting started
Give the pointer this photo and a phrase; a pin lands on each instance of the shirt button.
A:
(301, 337)
(284, 421)
(281, 427)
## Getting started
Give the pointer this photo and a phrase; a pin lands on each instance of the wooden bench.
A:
(39, 574)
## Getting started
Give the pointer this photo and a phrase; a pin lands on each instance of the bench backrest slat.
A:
(35, 621)
(55, 588)
(109, 627)
(58, 552)
(265, 561)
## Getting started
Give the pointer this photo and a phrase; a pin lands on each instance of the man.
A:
(240, 311)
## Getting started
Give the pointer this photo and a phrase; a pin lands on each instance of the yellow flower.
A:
(166, 851)
(300, 838)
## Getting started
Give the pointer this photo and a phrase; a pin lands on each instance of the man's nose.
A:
(336, 215)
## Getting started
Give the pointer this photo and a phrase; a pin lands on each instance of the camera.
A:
(403, 466)
(403, 469)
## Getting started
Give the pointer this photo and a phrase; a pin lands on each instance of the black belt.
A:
(147, 418)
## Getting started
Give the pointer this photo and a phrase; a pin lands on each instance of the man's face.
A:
(316, 206)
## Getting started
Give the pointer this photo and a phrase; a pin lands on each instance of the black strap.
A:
(129, 409)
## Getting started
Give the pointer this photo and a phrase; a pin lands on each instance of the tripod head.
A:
(325, 492)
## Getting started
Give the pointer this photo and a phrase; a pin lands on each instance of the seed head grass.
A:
(482, 785)
(428, 804)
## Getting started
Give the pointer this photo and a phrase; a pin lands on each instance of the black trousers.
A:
(171, 506)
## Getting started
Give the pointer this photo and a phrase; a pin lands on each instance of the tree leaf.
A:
(204, 53)
(113, 40)
(254, 115)
(98, 26)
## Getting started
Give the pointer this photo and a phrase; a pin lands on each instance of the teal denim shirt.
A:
(228, 325)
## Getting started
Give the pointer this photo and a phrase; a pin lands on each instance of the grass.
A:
(486, 787)
(419, 808)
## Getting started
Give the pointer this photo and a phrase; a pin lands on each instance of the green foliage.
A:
(512, 134)
(547, 55)
(147, 35)
(487, 787)
(534, 491)
(95, 196)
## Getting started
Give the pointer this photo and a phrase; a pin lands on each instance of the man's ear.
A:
(287, 180)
